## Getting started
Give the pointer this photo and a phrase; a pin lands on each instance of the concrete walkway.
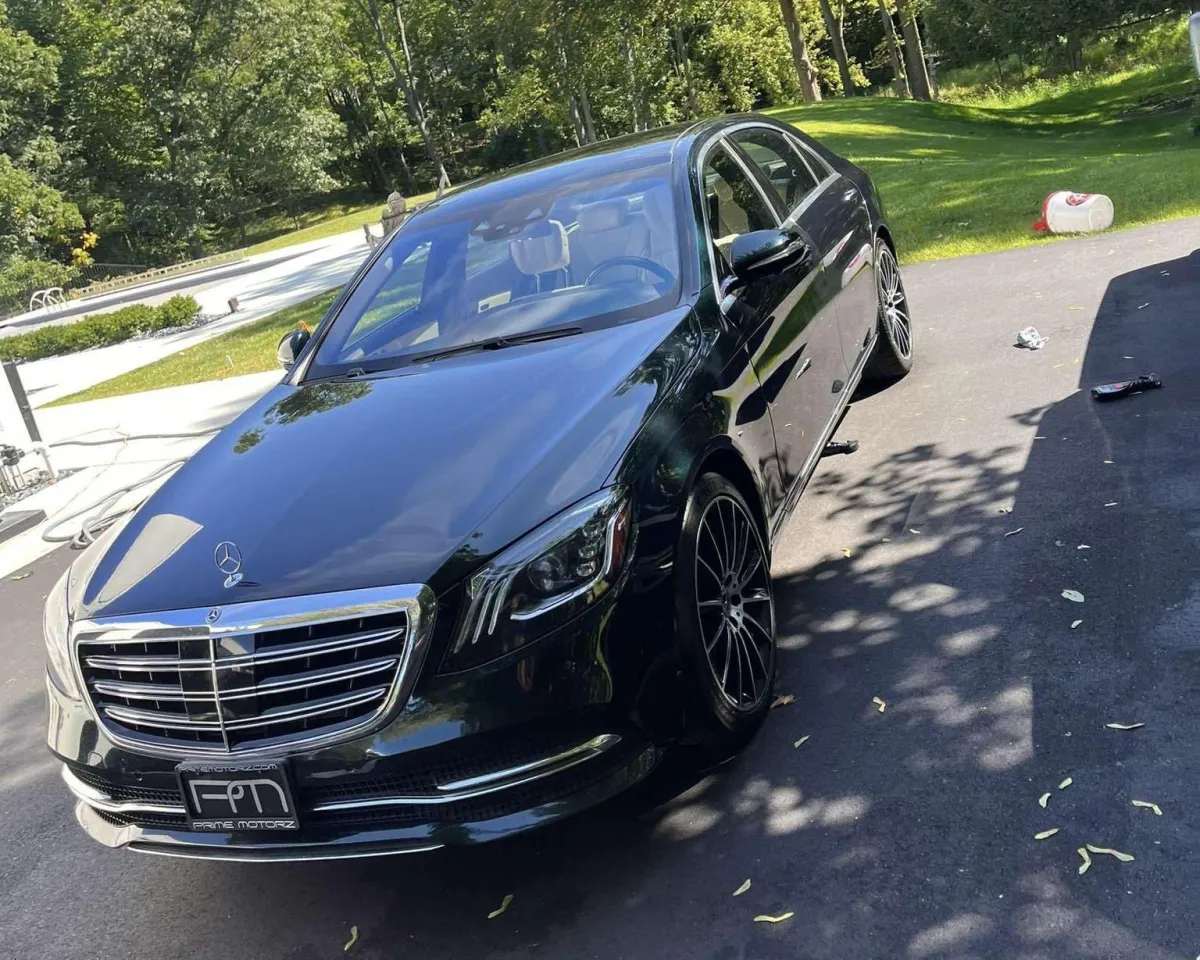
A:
(279, 283)
(105, 445)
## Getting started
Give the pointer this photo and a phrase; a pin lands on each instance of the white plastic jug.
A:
(1066, 212)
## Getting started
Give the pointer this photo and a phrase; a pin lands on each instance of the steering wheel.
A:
(645, 263)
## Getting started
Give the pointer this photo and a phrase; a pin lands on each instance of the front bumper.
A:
(472, 757)
(503, 804)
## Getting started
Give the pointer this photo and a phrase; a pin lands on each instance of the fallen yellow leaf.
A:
(764, 918)
(22, 576)
(742, 889)
(353, 939)
(1046, 834)
(800, 742)
(1043, 800)
(1123, 857)
(1149, 806)
(846, 551)
(1087, 859)
(782, 700)
(879, 703)
(1124, 726)
(508, 898)
(1066, 783)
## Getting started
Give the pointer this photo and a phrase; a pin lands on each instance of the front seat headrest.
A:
(541, 248)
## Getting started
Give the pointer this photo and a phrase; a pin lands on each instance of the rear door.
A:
(836, 215)
(802, 363)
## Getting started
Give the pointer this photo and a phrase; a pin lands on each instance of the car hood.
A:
(412, 477)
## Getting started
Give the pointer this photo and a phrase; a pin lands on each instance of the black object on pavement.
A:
(835, 447)
(1123, 388)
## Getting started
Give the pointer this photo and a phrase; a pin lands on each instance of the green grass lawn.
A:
(248, 349)
(957, 178)
(326, 222)
(961, 178)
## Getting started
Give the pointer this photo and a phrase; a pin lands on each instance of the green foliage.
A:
(248, 349)
(98, 330)
(173, 128)
(19, 278)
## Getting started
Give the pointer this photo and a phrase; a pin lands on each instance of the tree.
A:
(810, 86)
(914, 52)
(833, 24)
(405, 80)
(889, 33)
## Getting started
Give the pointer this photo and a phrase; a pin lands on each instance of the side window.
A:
(734, 205)
(780, 163)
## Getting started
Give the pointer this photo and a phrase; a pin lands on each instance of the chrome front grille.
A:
(255, 676)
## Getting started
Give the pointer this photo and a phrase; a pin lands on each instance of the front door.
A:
(789, 319)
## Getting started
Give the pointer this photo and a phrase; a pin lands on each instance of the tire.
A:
(724, 616)
(893, 354)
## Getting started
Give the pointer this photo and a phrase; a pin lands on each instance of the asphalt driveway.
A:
(902, 833)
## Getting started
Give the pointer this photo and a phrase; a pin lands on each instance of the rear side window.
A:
(734, 205)
(781, 165)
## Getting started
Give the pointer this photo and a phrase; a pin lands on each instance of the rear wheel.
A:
(725, 615)
(893, 356)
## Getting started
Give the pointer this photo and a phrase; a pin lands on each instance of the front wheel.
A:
(724, 615)
(893, 356)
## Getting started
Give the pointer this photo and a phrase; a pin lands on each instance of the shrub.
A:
(98, 330)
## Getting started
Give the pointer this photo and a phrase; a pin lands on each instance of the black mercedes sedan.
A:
(502, 534)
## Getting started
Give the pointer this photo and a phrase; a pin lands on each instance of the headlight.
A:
(56, 629)
(544, 580)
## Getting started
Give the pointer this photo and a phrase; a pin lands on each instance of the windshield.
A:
(582, 254)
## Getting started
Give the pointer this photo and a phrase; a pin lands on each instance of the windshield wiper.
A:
(496, 343)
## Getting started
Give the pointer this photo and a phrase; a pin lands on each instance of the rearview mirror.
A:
(290, 346)
(1194, 30)
(764, 252)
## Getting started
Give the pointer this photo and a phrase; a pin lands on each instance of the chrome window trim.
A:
(720, 139)
(803, 155)
(417, 600)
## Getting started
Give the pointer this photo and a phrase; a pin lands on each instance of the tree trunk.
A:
(405, 85)
(585, 110)
(685, 69)
(405, 172)
(635, 106)
(833, 24)
(806, 73)
(914, 53)
(576, 121)
(415, 105)
(1075, 52)
(889, 32)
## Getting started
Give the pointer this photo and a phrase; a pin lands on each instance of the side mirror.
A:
(761, 253)
(290, 346)
(1194, 31)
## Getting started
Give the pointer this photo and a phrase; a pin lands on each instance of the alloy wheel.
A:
(893, 303)
(733, 598)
